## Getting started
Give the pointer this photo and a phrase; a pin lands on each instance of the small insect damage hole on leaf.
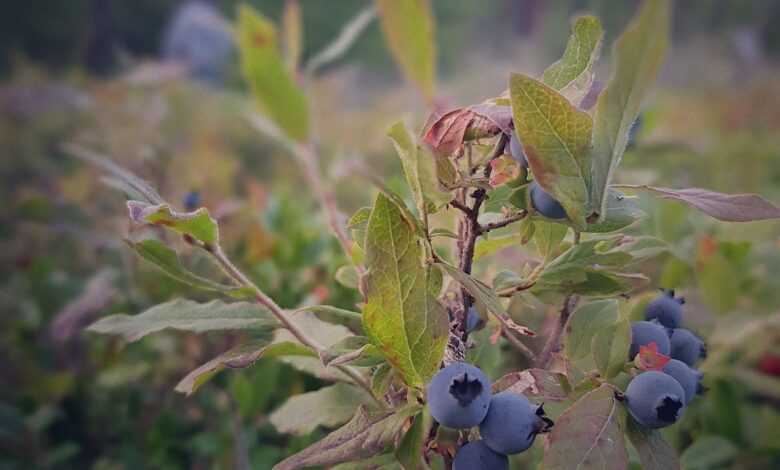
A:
(668, 408)
(465, 390)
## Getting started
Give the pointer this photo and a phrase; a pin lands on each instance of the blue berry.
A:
(666, 309)
(473, 320)
(516, 150)
(545, 204)
(459, 396)
(191, 200)
(476, 455)
(512, 423)
(687, 347)
(689, 378)
(646, 332)
(655, 399)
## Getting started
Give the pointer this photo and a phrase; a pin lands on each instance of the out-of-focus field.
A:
(69, 399)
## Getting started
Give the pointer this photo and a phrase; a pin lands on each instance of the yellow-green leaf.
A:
(638, 54)
(573, 74)
(197, 224)
(401, 316)
(556, 138)
(268, 76)
(409, 26)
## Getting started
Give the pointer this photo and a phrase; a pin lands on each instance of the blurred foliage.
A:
(69, 400)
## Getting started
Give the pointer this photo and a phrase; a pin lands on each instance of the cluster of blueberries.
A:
(459, 397)
(658, 398)
(543, 203)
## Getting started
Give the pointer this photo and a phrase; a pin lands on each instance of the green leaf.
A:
(621, 211)
(268, 76)
(610, 348)
(654, 452)
(410, 161)
(168, 262)
(556, 139)
(402, 316)
(637, 54)
(340, 316)
(572, 265)
(485, 295)
(186, 315)
(348, 276)
(411, 449)
(368, 433)
(585, 323)
(242, 356)
(198, 224)
(573, 74)
(408, 26)
(708, 452)
(358, 223)
(381, 379)
(353, 350)
(547, 237)
(418, 169)
(327, 407)
(487, 247)
(588, 436)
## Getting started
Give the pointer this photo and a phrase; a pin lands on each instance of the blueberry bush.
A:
(412, 367)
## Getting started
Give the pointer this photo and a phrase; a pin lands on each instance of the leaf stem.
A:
(240, 278)
(553, 344)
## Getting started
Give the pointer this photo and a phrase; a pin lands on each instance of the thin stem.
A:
(239, 277)
(307, 159)
(503, 223)
(553, 343)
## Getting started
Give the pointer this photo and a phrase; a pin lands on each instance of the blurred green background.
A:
(94, 71)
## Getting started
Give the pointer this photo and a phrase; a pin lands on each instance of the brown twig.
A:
(240, 278)
(553, 343)
(306, 158)
(503, 222)
(469, 230)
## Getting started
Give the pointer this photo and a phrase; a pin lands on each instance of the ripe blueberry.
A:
(666, 309)
(545, 204)
(512, 423)
(646, 332)
(516, 150)
(655, 399)
(473, 320)
(476, 455)
(191, 200)
(689, 379)
(687, 347)
(459, 396)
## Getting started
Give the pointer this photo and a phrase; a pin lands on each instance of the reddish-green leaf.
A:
(556, 138)
(726, 207)
(587, 436)
(402, 316)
